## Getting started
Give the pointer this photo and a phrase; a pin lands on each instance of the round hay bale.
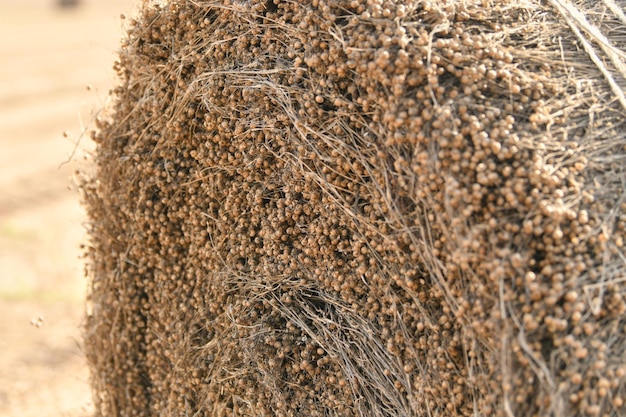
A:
(369, 208)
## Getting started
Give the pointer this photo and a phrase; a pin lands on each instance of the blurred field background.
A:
(49, 56)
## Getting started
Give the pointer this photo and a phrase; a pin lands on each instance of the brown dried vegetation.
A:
(357, 207)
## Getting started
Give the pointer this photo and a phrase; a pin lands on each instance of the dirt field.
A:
(49, 57)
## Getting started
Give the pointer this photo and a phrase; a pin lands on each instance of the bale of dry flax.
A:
(362, 207)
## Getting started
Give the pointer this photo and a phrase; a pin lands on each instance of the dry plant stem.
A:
(576, 19)
(616, 9)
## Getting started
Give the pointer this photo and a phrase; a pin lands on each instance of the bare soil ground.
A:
(48, 58)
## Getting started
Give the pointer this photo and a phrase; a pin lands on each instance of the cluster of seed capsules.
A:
(356, 207)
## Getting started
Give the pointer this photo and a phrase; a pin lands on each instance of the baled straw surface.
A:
(351, 207)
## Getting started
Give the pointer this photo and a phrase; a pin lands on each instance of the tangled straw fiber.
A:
(362, 208)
